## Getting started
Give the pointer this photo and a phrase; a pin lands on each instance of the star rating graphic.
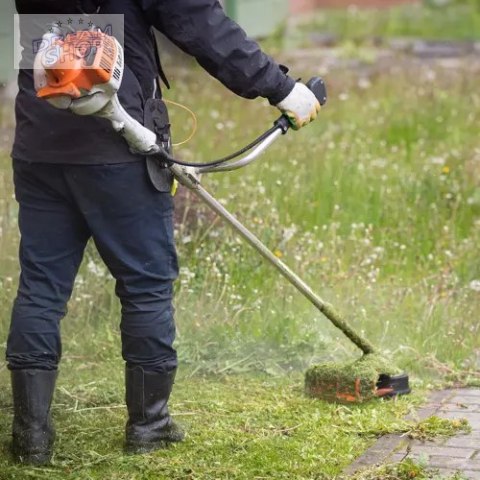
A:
(70, 22)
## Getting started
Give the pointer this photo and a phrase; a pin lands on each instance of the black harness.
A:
(94, 6)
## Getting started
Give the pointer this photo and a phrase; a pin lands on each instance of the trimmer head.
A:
(372, 376)
(393, 385)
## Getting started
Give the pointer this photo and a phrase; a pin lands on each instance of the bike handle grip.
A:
(319, 89)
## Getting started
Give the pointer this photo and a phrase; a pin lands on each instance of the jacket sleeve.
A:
(202, 29)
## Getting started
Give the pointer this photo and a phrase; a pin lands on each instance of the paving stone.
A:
(465, 399)
(447, 472)
(397, 457)
(471, 474)
(422, 443)
(441, 396)
(460, 407)
(370, 458)
(389, 441)
(451, 452)
(378, 453)
(437, 461)
(460, 453)
(422, 414)
(468, 392)
(463, 441)
(472, 418)
(449, 462)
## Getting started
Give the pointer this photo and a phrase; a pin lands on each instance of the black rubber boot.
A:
(32, 431)
(150, 426)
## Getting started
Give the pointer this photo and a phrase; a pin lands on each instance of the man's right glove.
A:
(300, 106)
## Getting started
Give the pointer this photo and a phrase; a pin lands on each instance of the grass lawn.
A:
(239, 427)
(377, 205)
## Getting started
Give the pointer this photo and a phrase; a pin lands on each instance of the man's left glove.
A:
(300, 106)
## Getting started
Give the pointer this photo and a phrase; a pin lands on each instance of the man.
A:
(76, 179)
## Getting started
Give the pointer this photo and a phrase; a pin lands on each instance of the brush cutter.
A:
(86, 81)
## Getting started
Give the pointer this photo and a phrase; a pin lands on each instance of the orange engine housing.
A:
(78, 62)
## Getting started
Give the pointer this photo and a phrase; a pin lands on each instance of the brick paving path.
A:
(459, 453)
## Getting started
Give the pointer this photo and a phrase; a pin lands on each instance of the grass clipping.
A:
(348, 382)
(405, 470)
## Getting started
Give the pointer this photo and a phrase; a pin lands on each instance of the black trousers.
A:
(131, 223)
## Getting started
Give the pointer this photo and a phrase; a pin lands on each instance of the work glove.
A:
(300, 106)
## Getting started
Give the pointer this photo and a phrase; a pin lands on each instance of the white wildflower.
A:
(289, 233)
(96, 269)
(438, 161)
(364, 83)
(475, 285)
(187, 273)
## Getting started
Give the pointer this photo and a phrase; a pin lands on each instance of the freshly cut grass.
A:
(405, 470)
(434, 426)
(239, 427)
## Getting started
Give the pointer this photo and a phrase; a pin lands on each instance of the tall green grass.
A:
(451, 21)
(377, 205)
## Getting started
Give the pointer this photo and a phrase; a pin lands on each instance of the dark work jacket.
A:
(199, 27)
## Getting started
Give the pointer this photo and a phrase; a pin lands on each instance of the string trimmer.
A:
(86, 82)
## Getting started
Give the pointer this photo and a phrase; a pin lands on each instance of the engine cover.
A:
(81, 64)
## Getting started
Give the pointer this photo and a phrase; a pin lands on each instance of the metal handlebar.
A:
(247, 159)
(317, 86)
